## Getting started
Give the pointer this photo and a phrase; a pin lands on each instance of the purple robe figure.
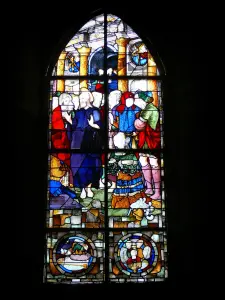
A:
(86, 167)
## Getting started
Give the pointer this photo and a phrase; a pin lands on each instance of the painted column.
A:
(122, 63)
(152, 84)
(60, 72)
(84, 54)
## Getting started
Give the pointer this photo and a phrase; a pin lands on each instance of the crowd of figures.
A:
(133, 123)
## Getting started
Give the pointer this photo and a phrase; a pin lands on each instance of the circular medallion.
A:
(74, 255)
(139, 54)
(136, 253)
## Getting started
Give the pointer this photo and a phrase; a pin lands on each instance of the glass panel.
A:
(137, 257)
(76, 190)
(77, 257)
(76, 173)
(126, 52)
(135, 190)
(135, 115)
(83, 55)
(76, 115)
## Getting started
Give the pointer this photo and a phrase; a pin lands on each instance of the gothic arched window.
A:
(105, 218)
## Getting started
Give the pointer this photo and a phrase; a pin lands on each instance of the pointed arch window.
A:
(105, 215)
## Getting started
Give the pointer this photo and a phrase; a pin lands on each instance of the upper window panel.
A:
(127, 54)
(84, 53)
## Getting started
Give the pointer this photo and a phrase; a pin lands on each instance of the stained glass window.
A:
(105, 214)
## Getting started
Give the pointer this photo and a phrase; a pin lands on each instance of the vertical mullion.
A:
(106, 152)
